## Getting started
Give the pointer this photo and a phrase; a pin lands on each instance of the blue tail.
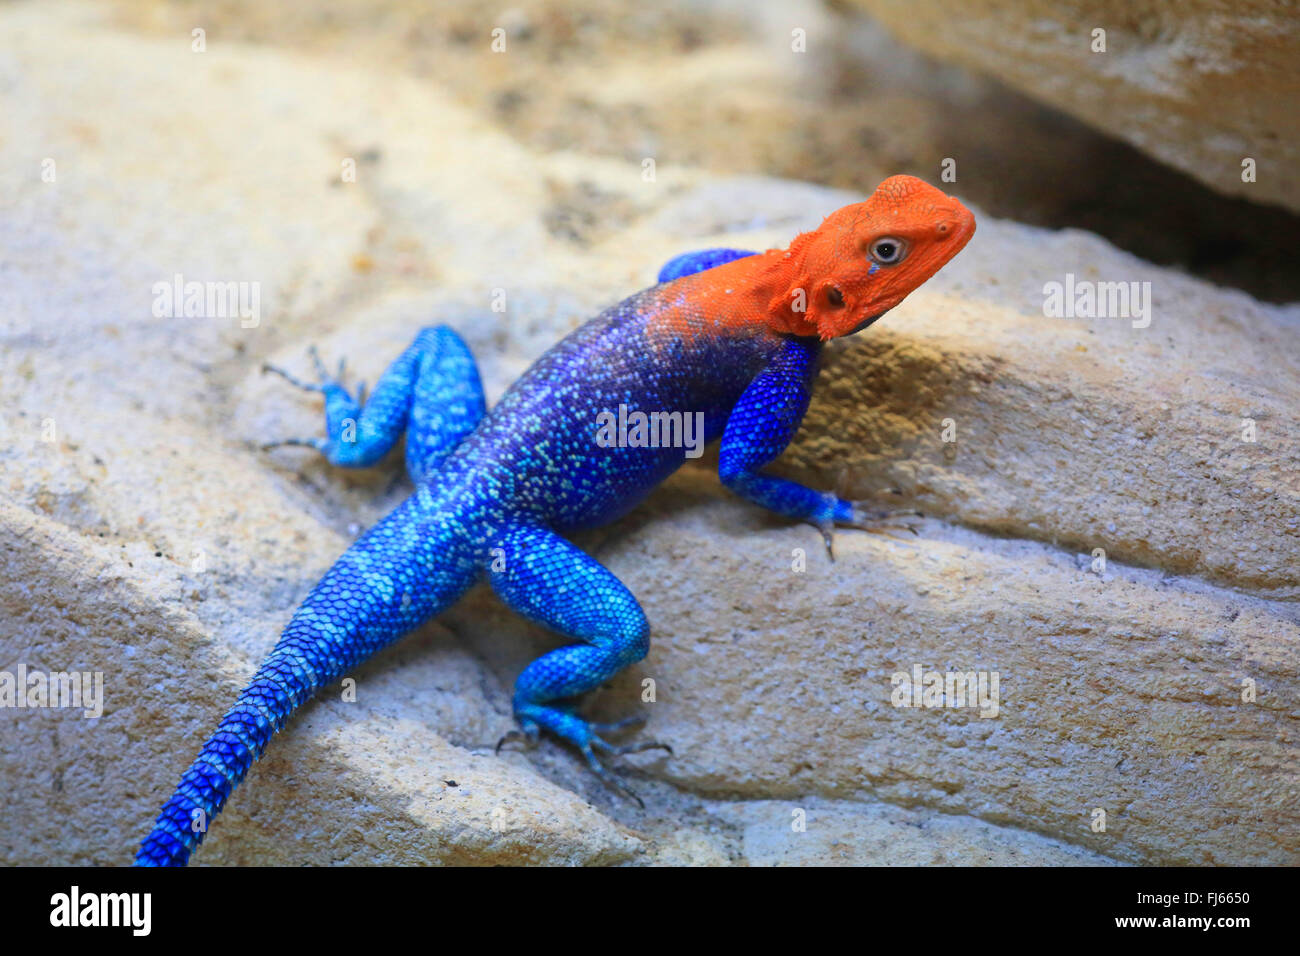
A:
(406, 569)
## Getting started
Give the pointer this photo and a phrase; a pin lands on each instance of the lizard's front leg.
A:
(548, 580)
(689, 263)
(761, 425)
(432, 392)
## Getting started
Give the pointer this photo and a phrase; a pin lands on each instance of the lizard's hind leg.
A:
(432, 392)
(552, 582)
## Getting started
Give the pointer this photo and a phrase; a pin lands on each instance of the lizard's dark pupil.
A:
(885, 250)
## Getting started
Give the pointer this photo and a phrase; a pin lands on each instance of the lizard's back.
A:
(543, 444)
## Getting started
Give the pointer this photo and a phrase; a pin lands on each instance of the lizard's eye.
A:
(888, 251)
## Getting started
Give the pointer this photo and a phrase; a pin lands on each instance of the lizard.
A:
(729, 333)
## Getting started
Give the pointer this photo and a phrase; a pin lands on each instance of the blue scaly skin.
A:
(731, 335)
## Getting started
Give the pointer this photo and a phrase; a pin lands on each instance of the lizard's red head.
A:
(864, 259)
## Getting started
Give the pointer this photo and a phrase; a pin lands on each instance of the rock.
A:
(841, 833)
(1120, 693)
(1200, 85)
(148, 538)
(804, 89)
(84, 791)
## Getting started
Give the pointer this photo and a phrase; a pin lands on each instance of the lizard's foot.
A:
(352, 439)
(566, 725)
(883, 520)
(856, 514)
(328, 383)
(604, 773)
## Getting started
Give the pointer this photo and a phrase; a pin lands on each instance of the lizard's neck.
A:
(760, 290)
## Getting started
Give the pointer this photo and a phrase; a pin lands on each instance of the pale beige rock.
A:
(839, 833)
(1200, 85)
(83, 791)
(146, 536)
(803, 89)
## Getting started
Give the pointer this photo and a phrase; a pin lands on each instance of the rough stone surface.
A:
(802, 89)
(145, 536)
(830, 833)
(1200, 84)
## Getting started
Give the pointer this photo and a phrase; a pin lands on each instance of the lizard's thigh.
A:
(446, 402)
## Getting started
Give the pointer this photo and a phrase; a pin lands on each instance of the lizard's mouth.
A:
(864, 323)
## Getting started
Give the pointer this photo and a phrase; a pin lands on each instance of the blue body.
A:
(495, 492)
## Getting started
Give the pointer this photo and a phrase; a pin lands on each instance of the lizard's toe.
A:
(883, 520)
(559, 719)
(607, 777)
(636, 748)
(636, 720)
(319, 444)
(291, 379)
(327, 383)
(854, 514)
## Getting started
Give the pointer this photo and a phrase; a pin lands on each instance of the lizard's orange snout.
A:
(953, 231)
(957, 227)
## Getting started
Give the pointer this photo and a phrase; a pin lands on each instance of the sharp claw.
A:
(868, 519)
(828, 536)
(644, 746)
(321, 372)
(636, 748)
(528, 735)
(627, 791)
(608, 778)
(586, 738)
